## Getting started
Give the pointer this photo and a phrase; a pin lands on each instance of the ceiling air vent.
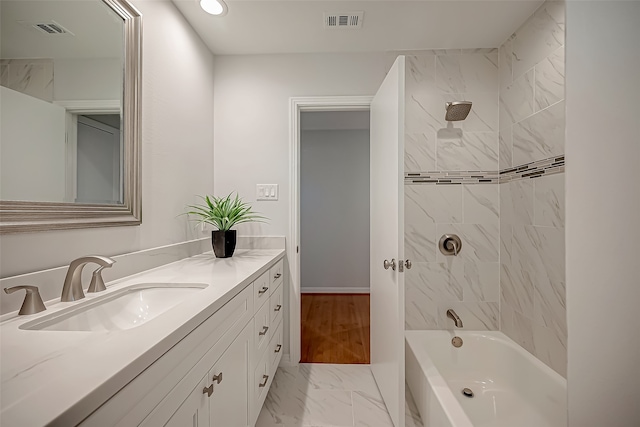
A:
(349, 20)
(49, 27)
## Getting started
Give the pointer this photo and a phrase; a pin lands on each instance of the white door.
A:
(387, 240)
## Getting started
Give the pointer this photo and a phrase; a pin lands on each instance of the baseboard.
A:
(334, 290)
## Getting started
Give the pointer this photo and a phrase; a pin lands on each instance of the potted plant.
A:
(224, 213)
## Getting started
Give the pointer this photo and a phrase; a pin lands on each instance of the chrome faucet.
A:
(72, 289)
(451, 314)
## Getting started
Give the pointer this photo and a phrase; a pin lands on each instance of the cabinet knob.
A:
(277, 276)
(264, 330)
(263, 290)
(264, 382)
(278, 347)
(278, 307)
(217, 378)
(208, 390)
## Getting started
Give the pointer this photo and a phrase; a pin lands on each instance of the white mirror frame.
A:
(25, 216)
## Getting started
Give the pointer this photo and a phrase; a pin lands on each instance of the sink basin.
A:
(119, 310)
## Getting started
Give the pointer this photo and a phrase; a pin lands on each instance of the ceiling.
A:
(297, 26)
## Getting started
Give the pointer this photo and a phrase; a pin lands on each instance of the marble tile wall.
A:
(531, 62)
(532, 247)
(32, 77)
(468, 283)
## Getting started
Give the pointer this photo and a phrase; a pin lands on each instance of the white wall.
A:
(93, 79)
(35, 140)
(603, 212)
(177, 152)
(251, 112)
(334, 209)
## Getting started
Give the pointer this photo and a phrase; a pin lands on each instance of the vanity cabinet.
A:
(218, 375)
(221, 398)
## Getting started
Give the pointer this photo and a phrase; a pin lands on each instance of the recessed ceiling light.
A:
(214, 7)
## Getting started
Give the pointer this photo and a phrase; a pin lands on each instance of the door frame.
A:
(296, 106)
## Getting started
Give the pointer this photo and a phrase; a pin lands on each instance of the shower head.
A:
(457, 110)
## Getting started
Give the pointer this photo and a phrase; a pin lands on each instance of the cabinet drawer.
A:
(262, 379)
(276, 273)
(275, 348)
(262, 330)
(261, 290)
(276, 304)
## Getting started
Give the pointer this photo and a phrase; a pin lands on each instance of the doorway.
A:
(334, 236)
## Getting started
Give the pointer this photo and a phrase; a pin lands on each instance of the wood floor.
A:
(335, 328)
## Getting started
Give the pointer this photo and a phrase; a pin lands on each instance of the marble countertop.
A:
(61, 377)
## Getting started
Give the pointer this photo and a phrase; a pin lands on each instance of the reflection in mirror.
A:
(69, 82)
(52, 54)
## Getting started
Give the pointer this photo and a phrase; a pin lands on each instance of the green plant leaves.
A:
(224, 212)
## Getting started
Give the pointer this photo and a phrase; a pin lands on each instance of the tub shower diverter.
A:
(123, 309)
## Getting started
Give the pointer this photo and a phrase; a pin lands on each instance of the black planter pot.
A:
(224, 243)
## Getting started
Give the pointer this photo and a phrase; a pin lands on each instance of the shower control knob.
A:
(391, 264)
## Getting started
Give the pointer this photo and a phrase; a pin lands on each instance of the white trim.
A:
(334, 290)
(91, 106)
(297, 104)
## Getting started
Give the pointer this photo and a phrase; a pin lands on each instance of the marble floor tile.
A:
(320, 395)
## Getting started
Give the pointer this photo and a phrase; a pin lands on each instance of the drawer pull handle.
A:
(277, 276)
(278, 307)
(264, 383)
(208, 390)
(217, 378)
(263, 290)
(278, 347)
(264, 330)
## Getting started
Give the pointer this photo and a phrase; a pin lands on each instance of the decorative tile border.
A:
(550, 166)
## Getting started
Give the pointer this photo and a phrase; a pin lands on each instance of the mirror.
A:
(70, 114)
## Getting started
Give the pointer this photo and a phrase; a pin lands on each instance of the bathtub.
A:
(511, 387)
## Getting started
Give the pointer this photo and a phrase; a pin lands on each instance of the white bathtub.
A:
(511, 387)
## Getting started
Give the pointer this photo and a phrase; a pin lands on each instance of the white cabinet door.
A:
(387, 240)
(230, 399)
(194, 412)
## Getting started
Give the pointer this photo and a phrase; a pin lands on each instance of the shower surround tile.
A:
(549, 201)
(420, 152)
(467, 73)
(480, 281)
(464, 152)
(433, 203)
(476, 316)
(420, 73)
(480, 242)
(481, 204)
(505, 58)
(505, 148)
(434, 279)
(516, 100)
(550, 80)
(541, 35)
(467, 151)
(516, 289)
(539, 136)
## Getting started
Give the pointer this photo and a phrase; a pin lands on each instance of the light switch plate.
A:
(267, 192)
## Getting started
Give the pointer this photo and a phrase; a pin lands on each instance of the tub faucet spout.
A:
(451, 314)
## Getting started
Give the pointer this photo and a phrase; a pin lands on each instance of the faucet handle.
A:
(32, 301)
(97, 282)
